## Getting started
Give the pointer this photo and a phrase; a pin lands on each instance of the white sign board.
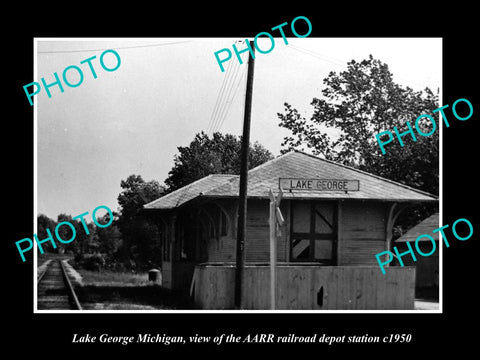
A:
(288, 184)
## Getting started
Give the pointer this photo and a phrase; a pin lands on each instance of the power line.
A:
(240, 80)
(215, 110)
(219, 97)
(113, 48)
(227, 79)
(224, 104)
(225, 96)
(314, 54)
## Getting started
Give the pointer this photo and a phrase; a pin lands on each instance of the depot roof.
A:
(296, 165)
(425, 227)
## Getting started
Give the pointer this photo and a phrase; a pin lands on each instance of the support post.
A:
(389, 227)
(273, 255)
(242, 204)
(172, 249)
(275, 222)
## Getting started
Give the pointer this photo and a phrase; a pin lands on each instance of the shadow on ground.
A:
(151, 297)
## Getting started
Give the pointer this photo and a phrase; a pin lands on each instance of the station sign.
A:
(289, 184)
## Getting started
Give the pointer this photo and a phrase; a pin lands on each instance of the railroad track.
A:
(55, 291)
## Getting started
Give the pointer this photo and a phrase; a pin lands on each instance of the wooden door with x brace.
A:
(313, 236)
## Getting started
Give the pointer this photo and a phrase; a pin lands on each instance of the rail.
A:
(52, 285)
(70, 289)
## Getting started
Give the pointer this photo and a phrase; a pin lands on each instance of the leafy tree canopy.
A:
(356, 105)
(139, 233)
(219, 154)
(137, 192)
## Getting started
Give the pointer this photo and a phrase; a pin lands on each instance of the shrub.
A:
(93, 262)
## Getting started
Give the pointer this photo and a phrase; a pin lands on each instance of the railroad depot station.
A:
(336, 219)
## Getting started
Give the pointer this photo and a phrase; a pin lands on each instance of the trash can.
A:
(155, 276)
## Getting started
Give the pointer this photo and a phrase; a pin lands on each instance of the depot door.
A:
(313, 236)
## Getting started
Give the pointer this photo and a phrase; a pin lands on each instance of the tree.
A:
(65, 233)
(139, 233)
(82, 242)
(219, 154)
(109, 239)
(43, 223)
(356, 105)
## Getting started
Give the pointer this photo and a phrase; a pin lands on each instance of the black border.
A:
(52, 333)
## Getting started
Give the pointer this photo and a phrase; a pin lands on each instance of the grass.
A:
(110, 290)
(152, 297)
(112, 278)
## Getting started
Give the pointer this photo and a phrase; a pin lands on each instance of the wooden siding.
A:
(308, 288)
(427, 271)
(362, 226)
(427, 268)
(222, 249)
(167, 274)
(214, 289)
(361, 252)
(362, 232)
(361, 235)
(257, 245)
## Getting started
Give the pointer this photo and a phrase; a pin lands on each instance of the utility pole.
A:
(242, 199)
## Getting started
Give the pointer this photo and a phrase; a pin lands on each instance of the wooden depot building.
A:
(336, 218)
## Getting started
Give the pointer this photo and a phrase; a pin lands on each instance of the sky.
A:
(166, 90)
